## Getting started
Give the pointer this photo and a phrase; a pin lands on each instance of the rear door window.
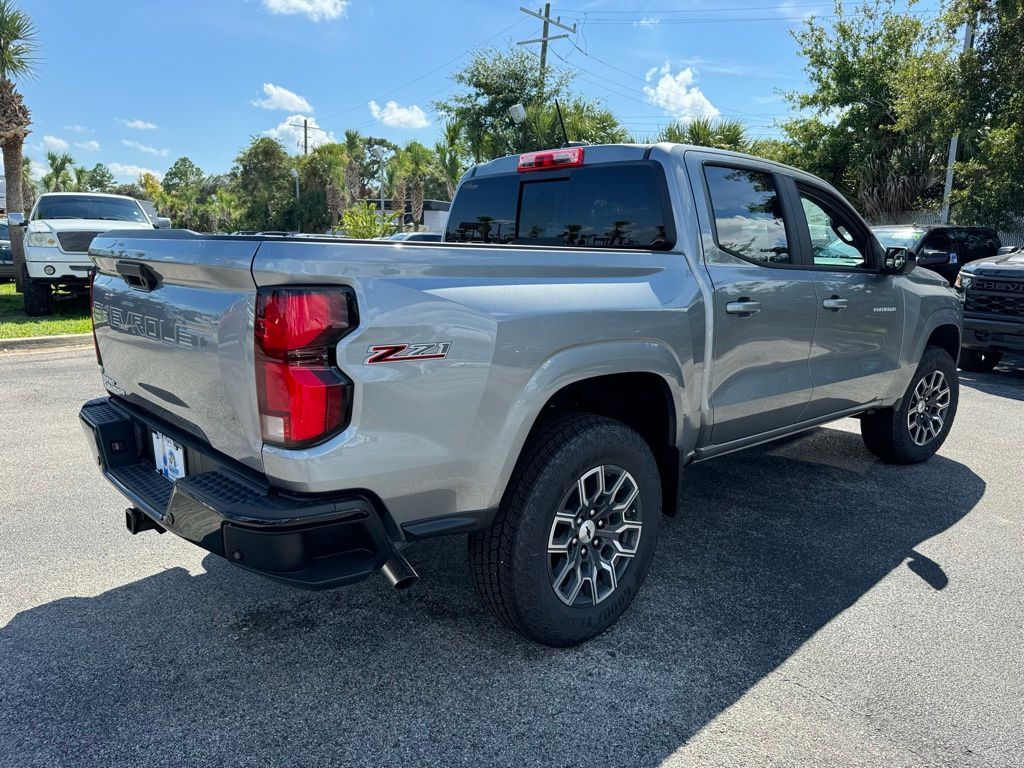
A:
(623, 205)
(748, 214)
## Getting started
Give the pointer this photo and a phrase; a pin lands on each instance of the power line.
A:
(429, 72)
(544, 36)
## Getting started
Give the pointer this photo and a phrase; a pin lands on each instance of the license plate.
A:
(168, 456)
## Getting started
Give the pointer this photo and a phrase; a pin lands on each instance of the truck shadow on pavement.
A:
(1007, 380)
(226, 668)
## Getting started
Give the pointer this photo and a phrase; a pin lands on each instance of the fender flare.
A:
(579, 363)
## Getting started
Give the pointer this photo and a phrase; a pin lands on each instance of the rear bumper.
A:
(993, 334)
(313, 542)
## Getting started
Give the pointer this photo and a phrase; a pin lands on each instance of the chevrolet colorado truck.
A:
(993, 295)
(597, 319)
(58, 233)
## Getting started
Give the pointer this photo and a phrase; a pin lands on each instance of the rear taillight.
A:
(303, 398)
(92, 316)
(569, 157)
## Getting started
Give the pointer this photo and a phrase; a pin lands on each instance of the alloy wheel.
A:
(928, 406)
(594, 536)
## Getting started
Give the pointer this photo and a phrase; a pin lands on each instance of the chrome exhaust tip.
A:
(398, 572)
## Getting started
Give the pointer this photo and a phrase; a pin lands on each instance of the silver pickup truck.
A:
(597, 319)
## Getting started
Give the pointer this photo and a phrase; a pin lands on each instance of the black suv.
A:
(941, 248)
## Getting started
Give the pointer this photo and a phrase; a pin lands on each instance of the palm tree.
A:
(354, 147)
(333, 161)
(81, 182)
(451, 155)
(419, 163)
(398, 174)
(28, 184)
(705, 132)
(17, 62)
(59, 178)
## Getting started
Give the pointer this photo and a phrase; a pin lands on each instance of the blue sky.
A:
(136, 84)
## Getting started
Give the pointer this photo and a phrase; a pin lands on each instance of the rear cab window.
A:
(748, 215)
(612, 205)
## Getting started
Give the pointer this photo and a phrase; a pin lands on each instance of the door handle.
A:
(835, 304)
(743, 307)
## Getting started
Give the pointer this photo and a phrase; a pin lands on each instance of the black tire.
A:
(888, 433)
(36, 294)
(510, 561)
(977, 361)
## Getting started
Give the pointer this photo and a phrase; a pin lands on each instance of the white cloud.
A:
(53, 144)
(129, 172)
(793, 11)
(145, 148)
(290, 133)
(647, 22)
(677, 94)
(316, 10)
(399, 117)
(88, 146)
(282, 98)
(38, 169)
(76, 128)
(137, 124)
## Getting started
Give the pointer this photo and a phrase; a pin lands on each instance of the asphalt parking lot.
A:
(810, 606)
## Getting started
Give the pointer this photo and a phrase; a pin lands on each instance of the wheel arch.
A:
(638, 383)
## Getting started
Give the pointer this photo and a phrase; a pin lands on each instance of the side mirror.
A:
(162, 222)
(16, 219)
(898, 261)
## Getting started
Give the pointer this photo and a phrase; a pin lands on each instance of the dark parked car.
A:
(6, 259)
(993, 294)
(940, 248)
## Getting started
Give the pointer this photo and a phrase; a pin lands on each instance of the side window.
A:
(834, 241)
(939, 240)
(748, 214)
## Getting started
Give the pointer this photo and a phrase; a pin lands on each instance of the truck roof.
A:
(612, 153)
(89, 194)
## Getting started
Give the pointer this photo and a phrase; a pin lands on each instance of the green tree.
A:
(130, 189)
(264, 184)
(452, 155)
(100, 178)
(324, 169)
(354, 151)
(362, 220)
(705, 132)
(183, 177)
(59, 176)
(857, 65)
(28, 184)
(398, 183)
(584, 121)
(419, 165)
(494, 82)
(985, 105)
(82, 181)
(18, 48)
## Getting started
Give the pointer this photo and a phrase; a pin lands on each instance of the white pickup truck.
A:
(57, 238)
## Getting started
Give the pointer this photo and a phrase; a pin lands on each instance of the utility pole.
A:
(305, 136)
(545, 16)
(954, 142)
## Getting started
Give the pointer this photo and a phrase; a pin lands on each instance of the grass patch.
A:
(69, 316)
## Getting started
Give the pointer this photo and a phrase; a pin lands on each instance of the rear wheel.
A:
(978, 361)
(36, 294)
(913, 431)
(575, 534)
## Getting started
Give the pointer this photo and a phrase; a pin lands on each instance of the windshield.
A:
(89, 207)
(898, 238)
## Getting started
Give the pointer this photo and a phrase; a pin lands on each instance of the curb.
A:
(31, 343)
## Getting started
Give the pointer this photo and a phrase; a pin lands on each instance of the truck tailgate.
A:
(173, 317)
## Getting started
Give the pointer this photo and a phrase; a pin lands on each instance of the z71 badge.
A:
(405, 353)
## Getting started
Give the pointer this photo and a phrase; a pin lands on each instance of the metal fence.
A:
(1013, 235)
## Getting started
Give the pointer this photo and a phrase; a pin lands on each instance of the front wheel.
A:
(575, 534)
(913, 431)
(37, 295)
(977, 361)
